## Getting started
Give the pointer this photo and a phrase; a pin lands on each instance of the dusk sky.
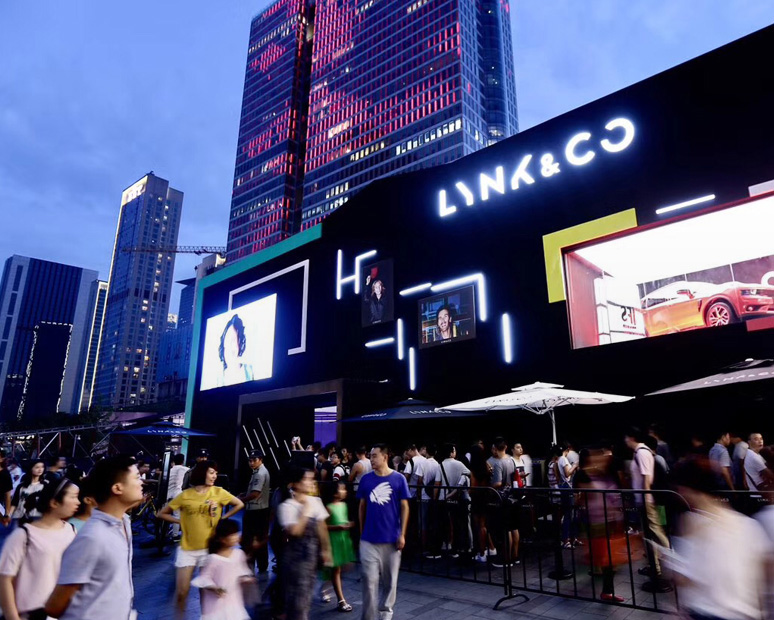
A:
(93, 95)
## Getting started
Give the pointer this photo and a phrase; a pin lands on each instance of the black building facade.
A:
(474, 299)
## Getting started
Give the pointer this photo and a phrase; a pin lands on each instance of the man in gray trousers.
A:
(384, 512)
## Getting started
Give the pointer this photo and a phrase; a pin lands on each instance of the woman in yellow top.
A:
(201, 507)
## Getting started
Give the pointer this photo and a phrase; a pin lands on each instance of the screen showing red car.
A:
(706, 271)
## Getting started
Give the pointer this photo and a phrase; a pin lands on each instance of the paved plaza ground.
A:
(420, 597)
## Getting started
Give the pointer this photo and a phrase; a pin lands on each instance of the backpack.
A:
(661, 481)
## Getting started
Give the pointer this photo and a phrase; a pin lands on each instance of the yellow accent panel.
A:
(554, 242)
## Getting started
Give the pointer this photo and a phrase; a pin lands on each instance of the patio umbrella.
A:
(538, 398)
(743, 372)
(411, 409)
(164, 429)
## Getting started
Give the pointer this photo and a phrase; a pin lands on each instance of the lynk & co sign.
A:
(579, 151)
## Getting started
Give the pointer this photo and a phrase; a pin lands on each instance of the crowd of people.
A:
(70, 541)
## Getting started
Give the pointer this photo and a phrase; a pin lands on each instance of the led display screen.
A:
(239, 344)
(447, 317)
(701, 272)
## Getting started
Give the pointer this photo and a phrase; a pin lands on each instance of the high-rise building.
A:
(268, 176)
(393, 87)
(45, 309)
(99, 297)
(185, 308)
(138, 293)
(174, 363)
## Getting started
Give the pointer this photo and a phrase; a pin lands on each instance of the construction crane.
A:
(180, 249)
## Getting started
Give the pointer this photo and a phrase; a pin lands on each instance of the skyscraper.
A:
(270, 150)
(99, 296)
(44, 312)
(185, 308)
(393, 87)
(138, 293)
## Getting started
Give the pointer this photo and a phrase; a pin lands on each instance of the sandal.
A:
(325, 597)
(344, 606)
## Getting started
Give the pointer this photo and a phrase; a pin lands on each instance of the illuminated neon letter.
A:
(443, 209)
(619, 123)
(569, 151)
(469, 198)
(522, 174)
(497, 184)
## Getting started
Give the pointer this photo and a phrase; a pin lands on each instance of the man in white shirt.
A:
(642, 473)
(455, 478)
(414, 466)
(755, 471)
(429, 481)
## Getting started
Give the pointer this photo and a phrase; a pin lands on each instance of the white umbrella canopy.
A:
(539, 398)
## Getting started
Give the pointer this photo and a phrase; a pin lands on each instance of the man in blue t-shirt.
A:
(384, 512)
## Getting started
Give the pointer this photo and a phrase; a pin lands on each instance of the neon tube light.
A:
(354, 277)
(358, 260)
(415, 289)
(400, 339)
(477, 278)
(379, 343)
(412, 370)
(507, 339)
(687, 203)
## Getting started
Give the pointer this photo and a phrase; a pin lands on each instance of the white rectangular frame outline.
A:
(303, 264)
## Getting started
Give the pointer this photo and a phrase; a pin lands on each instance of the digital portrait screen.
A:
(447, 317)
(239, 344)
(701, 272)
(377, 286)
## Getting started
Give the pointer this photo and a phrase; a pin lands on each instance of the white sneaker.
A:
(480, 557)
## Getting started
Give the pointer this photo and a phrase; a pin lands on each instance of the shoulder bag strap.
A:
(443, 471)
(26, 538)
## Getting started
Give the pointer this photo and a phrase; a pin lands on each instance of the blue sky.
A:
(95, 94)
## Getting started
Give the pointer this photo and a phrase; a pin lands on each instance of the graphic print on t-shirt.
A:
(381, 494)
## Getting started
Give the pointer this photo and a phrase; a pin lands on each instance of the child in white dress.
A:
(224, 576)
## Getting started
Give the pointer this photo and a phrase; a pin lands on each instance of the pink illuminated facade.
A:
(394, 85)
(270, 150)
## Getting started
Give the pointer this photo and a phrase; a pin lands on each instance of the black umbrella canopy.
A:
(164, 429)
(412, 409)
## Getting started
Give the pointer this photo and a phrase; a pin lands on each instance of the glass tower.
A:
(138, 293)
(99, 296)
(44, 317)
(394, 86)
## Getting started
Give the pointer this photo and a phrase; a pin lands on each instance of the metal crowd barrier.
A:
(610, 541)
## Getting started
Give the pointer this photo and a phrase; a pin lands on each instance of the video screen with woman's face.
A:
(239, 344)
(447, 317)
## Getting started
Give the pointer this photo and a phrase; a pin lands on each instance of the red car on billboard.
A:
(690, 305)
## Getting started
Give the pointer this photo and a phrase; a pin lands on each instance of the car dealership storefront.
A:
(615, 248)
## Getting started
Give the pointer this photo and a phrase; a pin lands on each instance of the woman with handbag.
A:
(303, 519)
(32, 554)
